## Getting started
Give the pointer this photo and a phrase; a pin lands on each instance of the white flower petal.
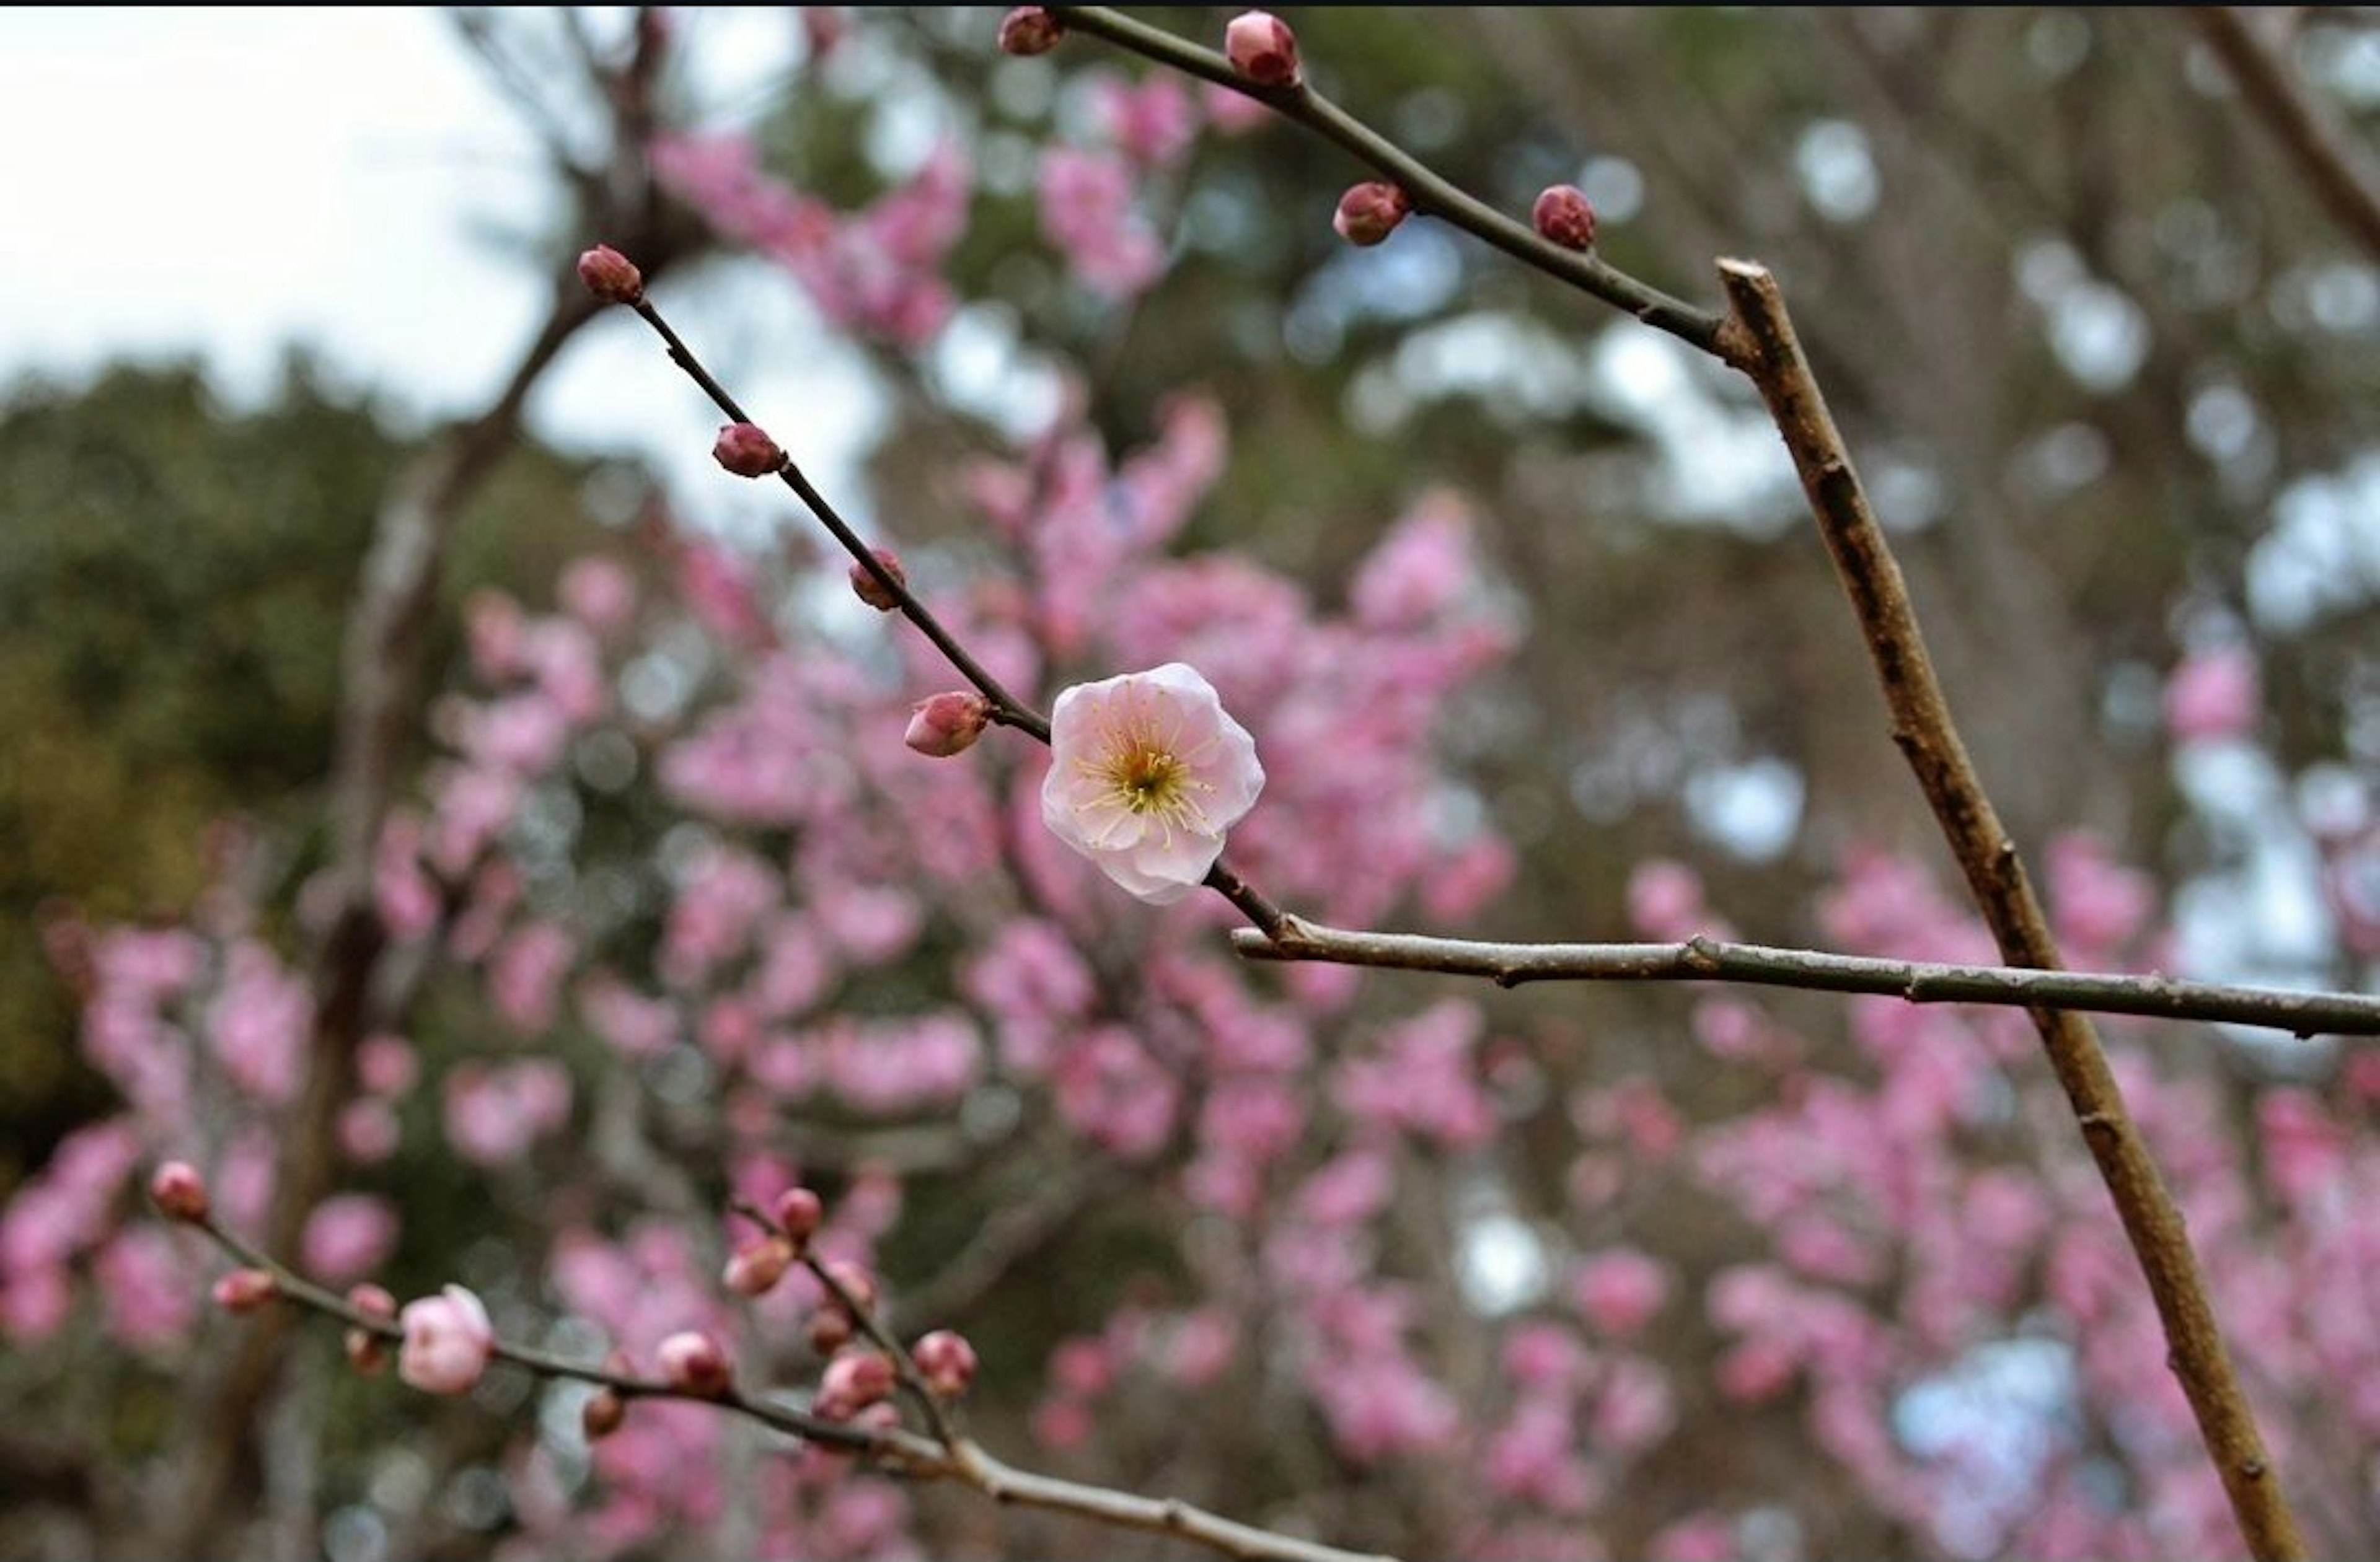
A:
(1098, 798)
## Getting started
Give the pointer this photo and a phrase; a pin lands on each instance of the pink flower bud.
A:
(880, 1418)
(871, 590)
(1563, 216)
(856, 1283)
(367, 1351)
(1261, 47)
(946, 1361)
(853, 1382)
(948, 723)
(830, 1328)
(1370, 213)
(179, 1191)
(693, 1362)
(245, 1290)
(746, 450)
(758, 1265)
(611, 275)
(1030, 29)
(603, 1414)
(800, 1212)
(448, 1341)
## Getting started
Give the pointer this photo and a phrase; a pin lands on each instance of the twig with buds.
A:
(445, 1352)
(746, 450)
(1704, 959)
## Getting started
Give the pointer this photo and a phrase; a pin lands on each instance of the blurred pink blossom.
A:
(494, 1113)
(1088, 212)
(1619, 1290)
(347, 1236)
(2213, 696)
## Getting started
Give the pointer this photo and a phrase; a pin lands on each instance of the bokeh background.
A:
(1704, 1279)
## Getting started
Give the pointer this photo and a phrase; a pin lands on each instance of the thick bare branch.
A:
(1929, 740)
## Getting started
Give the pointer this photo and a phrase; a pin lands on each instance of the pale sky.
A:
(225, 181)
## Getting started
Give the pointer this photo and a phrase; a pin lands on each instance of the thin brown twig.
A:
(2324, 151)
(1928, 739)
(1430, 192)
(1007, 709)
(1704, 959)
(895, 1451)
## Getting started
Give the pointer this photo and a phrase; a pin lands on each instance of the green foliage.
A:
(174, 580)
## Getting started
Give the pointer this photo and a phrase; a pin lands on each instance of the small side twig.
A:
(1429, 192)
(1703, 959)
(1007, 709)
(946, 1456)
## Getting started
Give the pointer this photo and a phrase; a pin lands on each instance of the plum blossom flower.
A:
(1147, 772)
(447, 1342)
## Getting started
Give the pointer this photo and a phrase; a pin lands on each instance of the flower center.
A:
(1149, 780)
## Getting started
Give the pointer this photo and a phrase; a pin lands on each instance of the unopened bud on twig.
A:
(758, 1265)
(179, 1192)
(830, 1328)
(1370, 213)
(946, 1361)
(245, 1290)
(948, 723)
(366, 1351)
(800, 1212)
(693, 1363)
(1030, 29)
(869, 589)
(856, 1283)
(745, 450)
(611, 275)
(1563, 216)
(853, 1382)
(1262, 48)
(603, 1414)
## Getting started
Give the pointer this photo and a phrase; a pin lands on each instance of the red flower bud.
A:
(1030, 29)
(830, 1328)
(1370, 213)
(611, 275)
(881, 1417)
(869, 589)
(853, 1382)
(603, 1414)
(856, 1283)
(946, 1361)
(179, 1191)
(245, 1290)
(693, 1363)
(948, 723)
(1563, 216)
(746, 450)
(800, 1212)
(367, 1351)
(1262, 48)
(758, 1265)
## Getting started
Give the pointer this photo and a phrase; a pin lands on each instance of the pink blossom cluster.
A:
(874, 272)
